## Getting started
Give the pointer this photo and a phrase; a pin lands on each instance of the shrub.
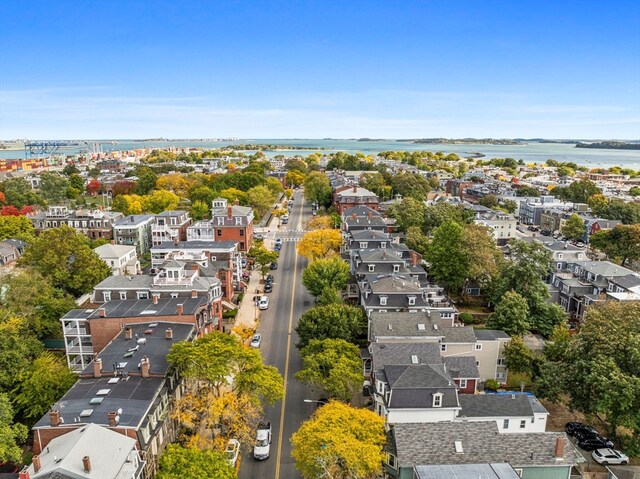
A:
(491, 384)
(468, 318)
(230, 314)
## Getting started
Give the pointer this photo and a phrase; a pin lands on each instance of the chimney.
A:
(559, 452)
(236, 202)
(176, 240)
(230, 211)
(37, 465)
(54, 416)
(133, 219)
(194, 294)
(355, 188)
(370, 214)
(113, 418)
(194, 266)
(145, 366)
(180, 309)
(128, 333)
(24, 473)
(86, 463)
(155, 299)
(102, 312)
(168, 333)
(97, 367)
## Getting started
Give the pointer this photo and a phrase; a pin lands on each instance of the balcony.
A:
(76, 332)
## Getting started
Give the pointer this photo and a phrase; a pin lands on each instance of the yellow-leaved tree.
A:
(320, 243)
(340, 442)
(320, 223)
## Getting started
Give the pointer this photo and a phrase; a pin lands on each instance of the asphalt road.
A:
(287, 302)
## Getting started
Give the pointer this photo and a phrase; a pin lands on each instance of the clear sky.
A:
(313, 69)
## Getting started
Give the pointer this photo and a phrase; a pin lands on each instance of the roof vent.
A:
(414, 359)
(435, 327)
(422, 327)
(458, 446)
(389, 327)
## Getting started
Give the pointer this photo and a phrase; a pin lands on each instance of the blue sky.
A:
(313, 69)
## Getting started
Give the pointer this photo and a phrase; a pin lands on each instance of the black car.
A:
(274, 265)
(268, 287)
(583, 435)
(269, 278)
(591, 444)
(572, 428)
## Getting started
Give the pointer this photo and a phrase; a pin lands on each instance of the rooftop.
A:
(114, 250)
(197, 244)
(133, 308)
(490, 405)
(466, 471)
(132, 220)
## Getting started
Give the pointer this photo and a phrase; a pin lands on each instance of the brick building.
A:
(228, 223)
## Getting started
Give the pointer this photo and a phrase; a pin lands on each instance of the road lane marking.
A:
(286, 360)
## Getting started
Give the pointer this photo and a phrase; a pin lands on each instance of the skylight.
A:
(113, 380)
(422, 327)
(414, 359)
(86, 412)
(96, 401)
(103, 392)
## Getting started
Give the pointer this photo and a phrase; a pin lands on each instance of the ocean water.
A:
(530, 152)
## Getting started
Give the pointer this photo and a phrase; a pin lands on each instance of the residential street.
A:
(288, 301)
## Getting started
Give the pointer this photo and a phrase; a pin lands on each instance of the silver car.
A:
(256, 340)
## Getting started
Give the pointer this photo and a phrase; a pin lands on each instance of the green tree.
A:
(64, 258)
(447, 256)
(621, 244)
(262, 257)
(518, 356)
(202, 193)
(443, 212)
(18, 227)
(489, 201)
(325, 273)
(40, 386)
(417, 241)
(634, 191)
(18, 349)
(12, 435)
(375, 182)
(409, 213)
(199, 210)
(146, 180)
(178, 462)
(217, 357)
(511, 315)
(411, 185)
(76, 181)
(334, 321)
(160, 200)
(70, 169)
(578, 191)
(294, 178)
(233, 194)
(547, 317)
(574, 228)
(53, 187)
(261, 199)
(275, 186)
(29, 295)
(333, 365)
(340, 442)
(329, 296)
(18, 192)
(317, 188)
(527, 191)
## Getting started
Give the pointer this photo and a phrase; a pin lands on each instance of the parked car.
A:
(268, 287)
(232, 451)
(285, 221)
(597, 442)
(572, 427)
(279, 241)
(273, 265)
(256, 340)
(580, 244)
(258, 237)
(263, 303)
(609, 456)
(583, 435)
(245, 275)
(277, 247)
(244, 262)
(262, 447)
(269, 278)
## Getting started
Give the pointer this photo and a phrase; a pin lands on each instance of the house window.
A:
(174, 295)
(478, 347)
(383, 244)
(437, 400)
(220, 220)
(560, 255)
(123, 295)
(238, 221)
(518, 472)
(219, 232)
(505, 424)
(443, 348)
(391, 461)
(559, 266)
(463, 383)
(143, 295)
(396, 268)
(412, 300)
(372, 267)
(523, 424)
(500, 376)
(383, 300)
(107, 295)
(363, 244)
(478, 363)
(241, 232)
(502, 362)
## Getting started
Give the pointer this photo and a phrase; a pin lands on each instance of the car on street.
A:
(269, 278)
(277, 247)
(278, 241)
(597, 442)
(262, 446)
(268, 287)
(232, 451)
(273, 265)
(609, 456)
(263, 303)
(285, 221)
(314, 213)
(256, 340)
(244, 262)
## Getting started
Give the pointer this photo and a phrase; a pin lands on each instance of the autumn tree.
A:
(262, 257)
(159, 201)
(294, 178)
(275, 186)
(12, 435)
(233, 194)
(93, 187)
(340, 442)
(511, 315)
(320, 222)
(325, 273)
(334, 321)
(261, 199)
(199, 210)
(621, 244)
(333, 365)
(18, 349)
(45, 381)
(574, 228)
(176, 183)
(317, 188)
(320, 244)
(129, 204)
(63, 257)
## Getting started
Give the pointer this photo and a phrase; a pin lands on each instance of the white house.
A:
(122, 259)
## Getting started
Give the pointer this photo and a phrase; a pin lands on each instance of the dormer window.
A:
(238, 220)
(412, 300)
(363, 245)
(383, 300)
(372, 267)
(437, 400)
(396, 268)
(220, 220)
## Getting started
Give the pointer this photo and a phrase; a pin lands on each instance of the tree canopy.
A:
(320, 243)
(18, 227)
(11, 434)
(335, 321)
(621, 244)
(317, 188)
(340, 442)
(325, 273)
(511, 315)
(574, 228)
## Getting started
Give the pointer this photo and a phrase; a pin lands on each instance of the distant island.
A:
(267, 147)
(609, 145)
(464, 141)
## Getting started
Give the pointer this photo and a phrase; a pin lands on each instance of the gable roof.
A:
(385, 354)
(114, 250)
(466, 471)
(491, 405)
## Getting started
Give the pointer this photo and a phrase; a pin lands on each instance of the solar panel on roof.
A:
(113, 380)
